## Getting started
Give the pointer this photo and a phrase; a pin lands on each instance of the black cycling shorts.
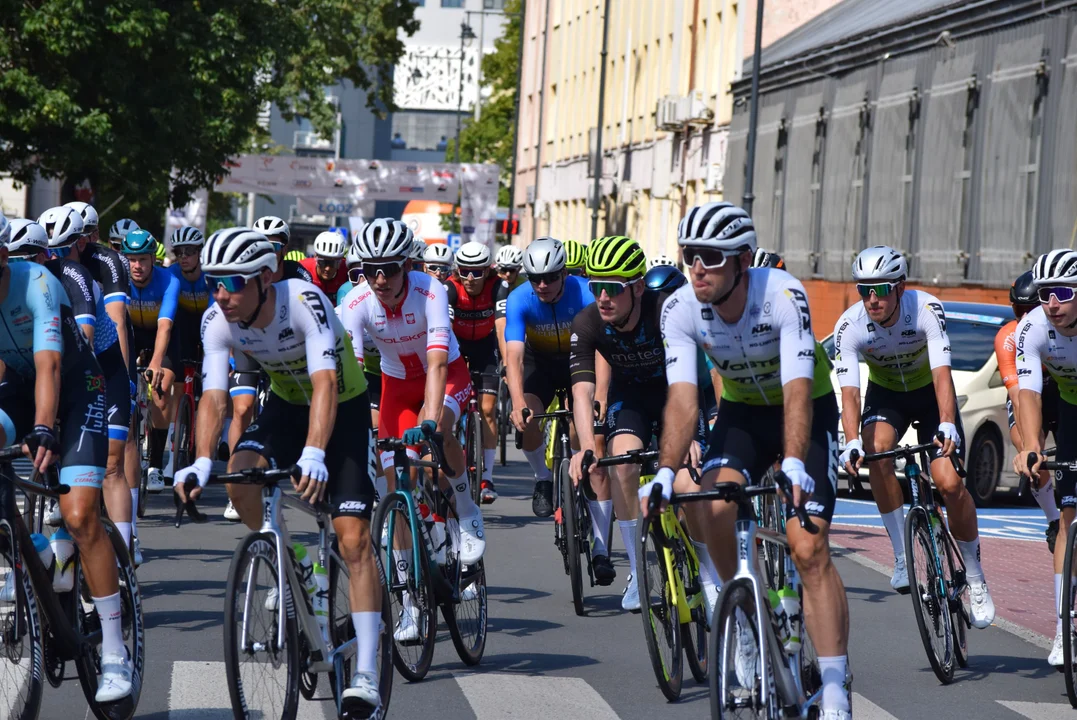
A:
(373, 389)
(280, 432)
(637, 410)
(901, 409)
(245, 375)
(143, 343)
(1066, 444)
(188, 333)
(481, 357)
(543, 377)
(749, 438)
(1049, 400)
(117, 393)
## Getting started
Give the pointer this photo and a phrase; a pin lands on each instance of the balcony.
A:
(308, 141)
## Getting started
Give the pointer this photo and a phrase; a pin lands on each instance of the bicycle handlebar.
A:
(736, 493)
(14, 452)
(437, 448)
(250, 476)
(1049, 465)
(910, 451)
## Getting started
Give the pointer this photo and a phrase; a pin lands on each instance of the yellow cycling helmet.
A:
(159, 256)
(295, 255)
(616, 256)
(575, 256)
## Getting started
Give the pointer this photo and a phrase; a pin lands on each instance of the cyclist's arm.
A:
(117, 311)
(851, 405)
(351, 317)
(933, 320)
(847, 367)
(216, 350)
(323, 408)
(602, 385)
(500, 303)
(797, 367)
(1005, 355)
(945, 394)
(796, 398)
(515, 335)
(682, 398)
(438, 341)
(47, 364)
(437, 376)
(319, 339)
(581, 367)
(212, 408)
(166, 317)
(1031, 338)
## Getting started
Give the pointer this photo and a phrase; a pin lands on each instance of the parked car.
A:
(981, 398)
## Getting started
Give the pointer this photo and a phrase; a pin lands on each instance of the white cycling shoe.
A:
(361, 699)
(747, 655)
(53, 518)
(230, 512)
(138, 551)
(7, 593)
(983, 607)
(407, 630)
(115, 682)
(272, 599)
(1056, 658)
(630, 596)
(472, 538)
(155, 481)
(836, 715)
(900, 580)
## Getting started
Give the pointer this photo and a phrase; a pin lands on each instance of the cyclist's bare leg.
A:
(1060, 542)
(960, 510)
(718, 519)
(117, 493)
(247, 499)
(624, 479)
(242, 417)
(364, 581)
(826, 609)
(488, 405)
(882, 437)
(82, 515)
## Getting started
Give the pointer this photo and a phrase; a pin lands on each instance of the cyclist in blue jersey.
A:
(40, 344)
(538, 324)
(194, 296)
(154, 300)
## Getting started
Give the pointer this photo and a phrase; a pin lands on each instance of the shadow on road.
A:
(870, 594)
(984, 666)
(532, 663)
(519, 627)
(185, 620)
(515, 595)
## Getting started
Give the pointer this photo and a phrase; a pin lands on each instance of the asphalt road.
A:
(541, 659)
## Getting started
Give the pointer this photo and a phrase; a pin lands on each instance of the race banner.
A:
(193, 214)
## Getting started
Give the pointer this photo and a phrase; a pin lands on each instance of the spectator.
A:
(443, 144)
(397, 143)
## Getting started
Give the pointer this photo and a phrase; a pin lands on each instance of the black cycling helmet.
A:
(664, 278)
(1023, 290)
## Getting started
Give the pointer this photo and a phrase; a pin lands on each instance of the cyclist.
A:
(193, 300)
(278, 233)
(765, 258)
(119, 231)
(575, 257)
(296, 256)
(1023, 300)
(660, 261)
(327, 266)
(154, 299)
(476, 300)
(161, 258)
(371, 353)
(508, 262)
(45, 356)
(777, 402)
(316, 416)
(538, 323)
(418, 250)
(437, 261)
(901, 334)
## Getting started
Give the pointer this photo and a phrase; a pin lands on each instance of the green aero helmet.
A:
(139, 242)
(616, 256)
(575, 254)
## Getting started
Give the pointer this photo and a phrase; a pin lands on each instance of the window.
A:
(420, 3)
(422, 130)
(452, 3)
(493, 4)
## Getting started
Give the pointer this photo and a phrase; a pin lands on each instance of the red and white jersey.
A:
(405, 334)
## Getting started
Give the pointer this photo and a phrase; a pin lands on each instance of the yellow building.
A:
(665, 126)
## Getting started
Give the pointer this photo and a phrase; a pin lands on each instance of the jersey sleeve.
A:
(797, 341)
(451, 296)
(847, 337)
(112, 275)
(581, 361)
(44, 304)
(79, 284)
(311, 322)
(351, 317)
(1006, 354)
(1031, 342)
(216, 346)
(169, 299)
(501, 297)
(678, 336)
(932, 318)
(515, 315)
(438, 324)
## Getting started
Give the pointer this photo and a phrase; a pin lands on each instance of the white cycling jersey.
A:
(900, 357)
(304, 337)
(770, 345)
(1040, 345)
(404, 335)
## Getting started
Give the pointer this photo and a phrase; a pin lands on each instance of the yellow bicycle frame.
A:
(671, 527)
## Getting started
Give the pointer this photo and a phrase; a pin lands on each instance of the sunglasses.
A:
(277, 246)
(328, 262)
(709, 258)
(507, 269)
(230, 283)
(386, 270)
(439, 269)
(471, 273)
(548, 278)
(61, 252)
(1062, 293)
(880, 289)
(578, 272)
(612, 288)
(186, 251)
(355, 274)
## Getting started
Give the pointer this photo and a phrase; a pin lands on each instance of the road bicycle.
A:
(42, 629)
(183, 436)
(504, 410)
(271, 657)
(424, 559)
(142, 428)
(469, 432)
(937, 579)
(578, 530)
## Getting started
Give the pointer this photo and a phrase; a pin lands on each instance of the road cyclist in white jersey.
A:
(425, 380)
(901, 335)
(317, 416)
(777, 402)
(1047, 338)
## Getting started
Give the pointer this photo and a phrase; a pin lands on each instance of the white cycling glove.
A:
(200, 469)
(312, 463)
(949, 431)
(664, 479)
(846, 454)
(798, 476)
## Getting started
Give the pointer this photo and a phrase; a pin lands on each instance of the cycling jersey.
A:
(406, 334)
(473, 316)
(635, 357)
(371, 352)
(156, 301)
(1006, 353)
(304, 337)
(295, 271)
(900, 357)
(87, 301)
(329, 287)
(546, 327)
(1039, 346)
(770, 345)
(193, 296)
(108, 268)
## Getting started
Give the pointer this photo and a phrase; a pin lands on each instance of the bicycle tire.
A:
(932, 612)
(475, 455)
(182, 437)
(475, 625)
(573, 539)
(736, 608)
(143, 441)
(258, 553)
(661, 627)
(694, 634)
(19, 629)
(957, 615)
(503, 420)
(415, 581)
(1069, 661)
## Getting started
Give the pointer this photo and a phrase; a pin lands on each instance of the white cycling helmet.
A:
(62, 225)
(270, 225)
(187, 235)
(120, 228)
(880, 263)
(509, 256)
(438, 254)
(660, 261)
(473, 254)
(330, 244)
(719, 225)
(418, 249)
(238, 251)
(1057, 266)
(5, 229)
(544, 255)
(87, 213)
(27, 238)
(383, 238)
(353, 257)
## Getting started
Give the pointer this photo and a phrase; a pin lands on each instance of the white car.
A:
(981, 398)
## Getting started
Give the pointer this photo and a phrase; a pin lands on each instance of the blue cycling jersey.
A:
(545, 327)
(193, 296)
(104, 333)
(156, 301)
(30, 318)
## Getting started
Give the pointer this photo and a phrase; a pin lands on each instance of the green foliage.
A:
(135, 93)
(490, 139)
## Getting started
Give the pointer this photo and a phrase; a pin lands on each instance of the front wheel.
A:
(574, 544)
(1069, 636)
(736, 676)
(474, 455)
(20, 631)
(929, 601)
(183, 437)
(661, 626)
(467, 619)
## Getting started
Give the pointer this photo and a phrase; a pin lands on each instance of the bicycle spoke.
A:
(20, 642)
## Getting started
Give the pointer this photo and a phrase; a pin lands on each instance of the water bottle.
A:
(62, 546)
(780, 618)
(306, 572)
(321, 600)
(790, 601)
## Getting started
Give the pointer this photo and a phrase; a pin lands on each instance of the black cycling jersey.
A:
(295, 271)
(78, 282)
(636, 356)
(107, 268)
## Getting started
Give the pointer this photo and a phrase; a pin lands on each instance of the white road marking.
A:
(505, 695)
(200, 692)
(1039, 710)
(867, 710)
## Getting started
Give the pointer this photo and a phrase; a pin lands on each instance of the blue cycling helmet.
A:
(138, 242)
(664, 278)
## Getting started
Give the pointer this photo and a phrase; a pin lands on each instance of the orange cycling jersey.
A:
(1006, 353)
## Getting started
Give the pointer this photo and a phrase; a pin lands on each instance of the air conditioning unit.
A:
(310, 141)
(668, 114)
(696, 110)
(625, 192)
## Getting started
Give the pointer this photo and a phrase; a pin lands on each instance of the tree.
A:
(149, 99)
(490, 139)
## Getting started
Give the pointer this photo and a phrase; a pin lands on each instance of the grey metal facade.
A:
(961, 151)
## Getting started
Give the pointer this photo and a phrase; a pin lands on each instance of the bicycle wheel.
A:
(661, 627)
(694, 634)
(88, 663)
(503, 408)
(263, 679)
(467, 619)
(410, 588)
(1069, 636)
(573, 540)
(474, 455)
(931, 608)
(20, 631)
(958, 602)
(811, 677)
(182, 438)
(736, 674)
